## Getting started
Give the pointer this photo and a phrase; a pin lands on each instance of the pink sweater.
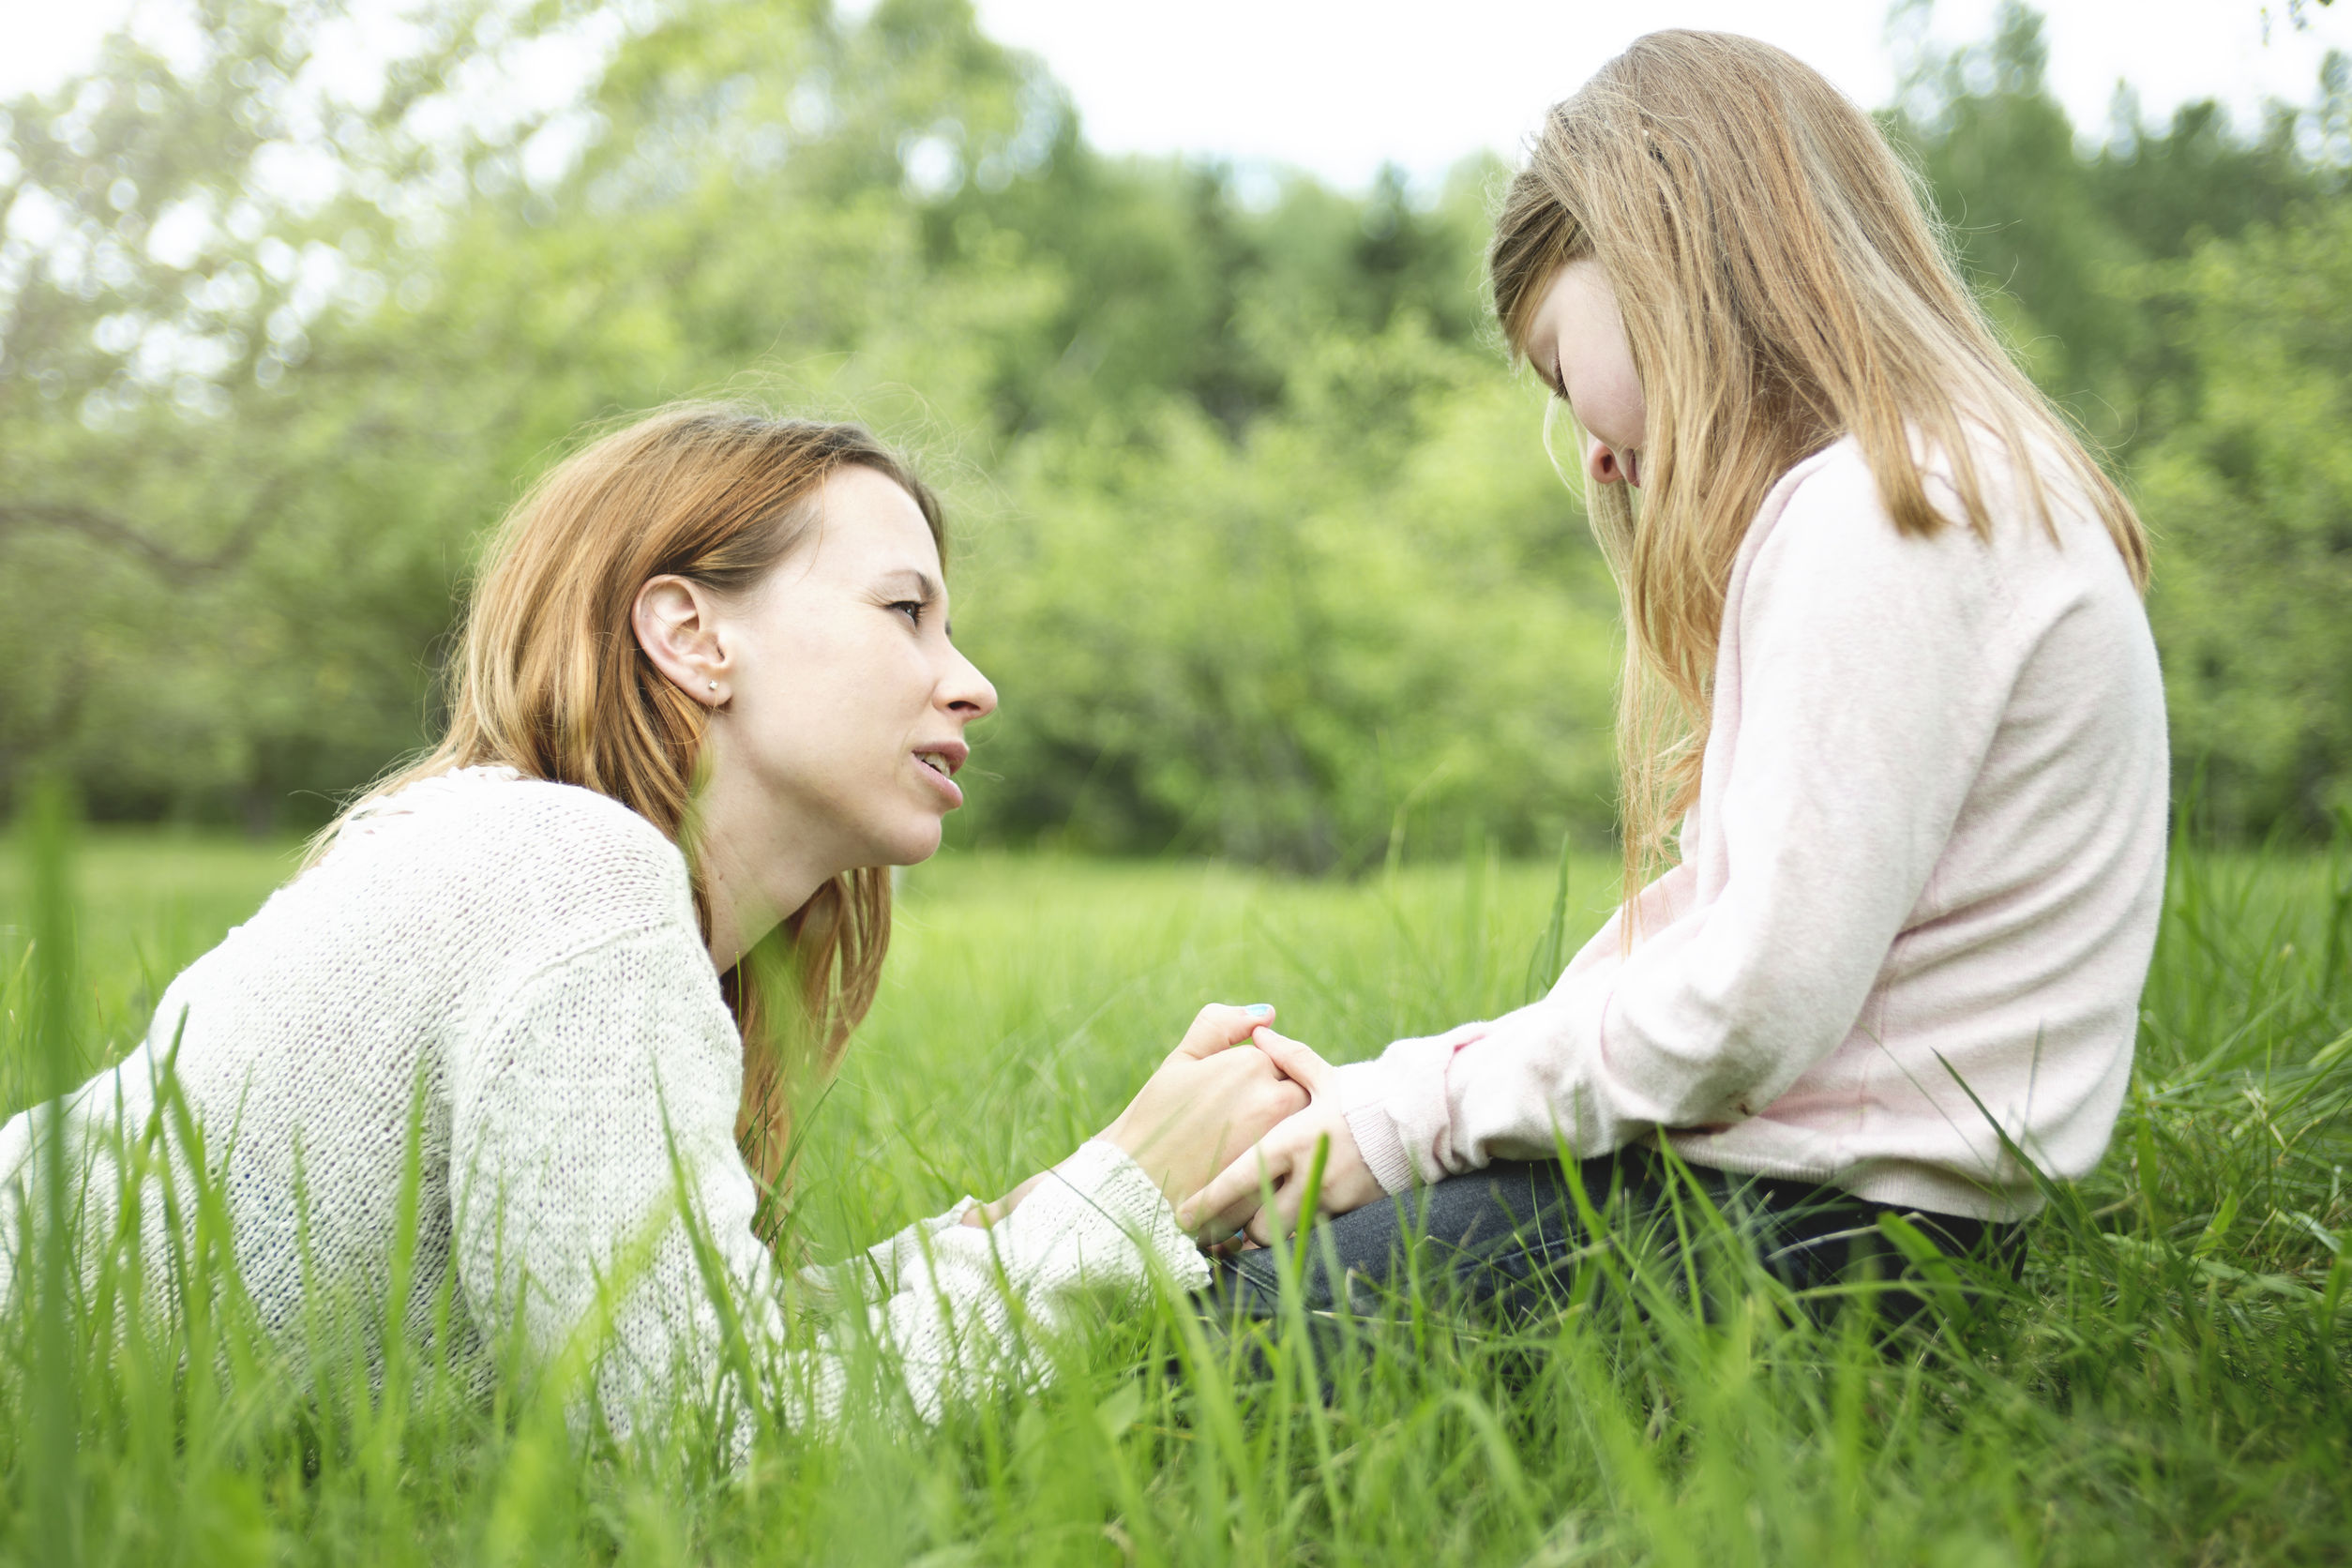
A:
(1929, 847)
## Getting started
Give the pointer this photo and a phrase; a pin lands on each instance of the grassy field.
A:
(2167, 1385)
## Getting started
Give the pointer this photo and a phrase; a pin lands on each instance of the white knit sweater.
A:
(515, 967)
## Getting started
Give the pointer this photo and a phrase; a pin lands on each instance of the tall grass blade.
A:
(53, 1034)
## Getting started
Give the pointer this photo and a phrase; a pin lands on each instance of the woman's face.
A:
(841, 705)
(1576, 342)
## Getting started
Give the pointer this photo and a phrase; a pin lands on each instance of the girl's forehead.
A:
(1564, 307)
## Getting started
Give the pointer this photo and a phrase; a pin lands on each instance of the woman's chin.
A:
(911, 845)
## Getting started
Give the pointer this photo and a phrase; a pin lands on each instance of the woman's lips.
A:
(935, 763)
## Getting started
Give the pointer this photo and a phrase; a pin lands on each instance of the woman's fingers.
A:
(1219, 1025)
(1297, 1058)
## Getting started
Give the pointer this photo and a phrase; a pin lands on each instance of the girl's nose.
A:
(1601, 465)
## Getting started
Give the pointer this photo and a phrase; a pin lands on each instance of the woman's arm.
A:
(958, 1307)
(1204, 1104)
(585, 1107)
(981, 1215)
(582, 1100)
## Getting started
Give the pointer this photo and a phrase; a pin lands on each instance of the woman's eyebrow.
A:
(925, 587)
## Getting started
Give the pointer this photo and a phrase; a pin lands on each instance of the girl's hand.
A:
(1206, 1103)
(1283, 1160)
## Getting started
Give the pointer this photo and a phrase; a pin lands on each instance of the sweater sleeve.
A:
(577, 1106)
(959, 1307)
(1865, 685)
(608, 1077)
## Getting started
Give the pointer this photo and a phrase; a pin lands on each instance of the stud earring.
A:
(713, 686)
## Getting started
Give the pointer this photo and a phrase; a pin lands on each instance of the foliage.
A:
(1256, 532)
(897, 220)
(2253, 492)
(2168, 1385)
(2182, 291)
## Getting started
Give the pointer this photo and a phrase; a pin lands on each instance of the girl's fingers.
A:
(1280, 1220)
(1297, 1059)
(1219, 1025)
(1233, 1193)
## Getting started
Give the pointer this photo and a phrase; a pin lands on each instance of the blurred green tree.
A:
(2179, 291)
(228, 577)
(1257, 534)
(2251, 491)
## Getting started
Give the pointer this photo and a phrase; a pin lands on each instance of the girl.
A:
(706, 696)
(1888, 668)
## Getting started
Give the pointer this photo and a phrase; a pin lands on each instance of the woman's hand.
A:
(981, 1215)
(1283, 1160)
(1207, 1102)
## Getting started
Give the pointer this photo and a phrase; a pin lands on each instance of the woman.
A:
(1888, 668)
(706, 696)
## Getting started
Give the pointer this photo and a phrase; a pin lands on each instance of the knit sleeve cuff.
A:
(1363, 1104)
(954, 1216)
(1112, 1185)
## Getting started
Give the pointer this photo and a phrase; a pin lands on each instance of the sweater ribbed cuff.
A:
(1109, 1178)
(1364, 1105)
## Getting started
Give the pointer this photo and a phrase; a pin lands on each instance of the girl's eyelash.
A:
(1559, 382)
(911, 608)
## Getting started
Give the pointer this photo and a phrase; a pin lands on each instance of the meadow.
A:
(2166, 1385)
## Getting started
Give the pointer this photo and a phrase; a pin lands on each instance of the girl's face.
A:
(840, 704)
(1576, 342)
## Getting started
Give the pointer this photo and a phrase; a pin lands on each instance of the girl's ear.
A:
(676, 623)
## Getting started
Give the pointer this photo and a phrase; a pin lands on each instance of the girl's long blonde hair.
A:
(549, 680)
(1781, 287)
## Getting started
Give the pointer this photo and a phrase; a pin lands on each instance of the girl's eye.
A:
(911, 608)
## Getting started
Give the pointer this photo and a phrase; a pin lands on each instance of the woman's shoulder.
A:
(491, 834)
(498, 803)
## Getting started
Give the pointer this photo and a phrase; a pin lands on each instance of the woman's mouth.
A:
(938, 763)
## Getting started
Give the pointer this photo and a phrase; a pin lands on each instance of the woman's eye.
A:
(911, 608)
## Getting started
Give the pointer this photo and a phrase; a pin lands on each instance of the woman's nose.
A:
(966, 691)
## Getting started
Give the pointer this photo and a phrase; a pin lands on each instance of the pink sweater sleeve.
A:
(1865, 674)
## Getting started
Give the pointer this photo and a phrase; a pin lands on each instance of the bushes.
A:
(2250, 496)
(1260, 540)
(1377, 614)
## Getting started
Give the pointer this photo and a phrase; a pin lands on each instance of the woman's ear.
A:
(676, 622)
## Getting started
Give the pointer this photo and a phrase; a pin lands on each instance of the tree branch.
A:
(106, 529)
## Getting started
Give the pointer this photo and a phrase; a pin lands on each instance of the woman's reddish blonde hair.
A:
(549, 680)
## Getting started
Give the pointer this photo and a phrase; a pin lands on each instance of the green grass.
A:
(2169, 1385)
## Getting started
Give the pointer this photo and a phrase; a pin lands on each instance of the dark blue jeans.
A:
(1513, 1238)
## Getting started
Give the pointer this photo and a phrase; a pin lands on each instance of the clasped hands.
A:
(1219, 1127)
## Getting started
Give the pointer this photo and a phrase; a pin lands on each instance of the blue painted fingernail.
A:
(1260, 1009)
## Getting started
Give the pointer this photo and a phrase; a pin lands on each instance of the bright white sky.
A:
(1338, 86)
